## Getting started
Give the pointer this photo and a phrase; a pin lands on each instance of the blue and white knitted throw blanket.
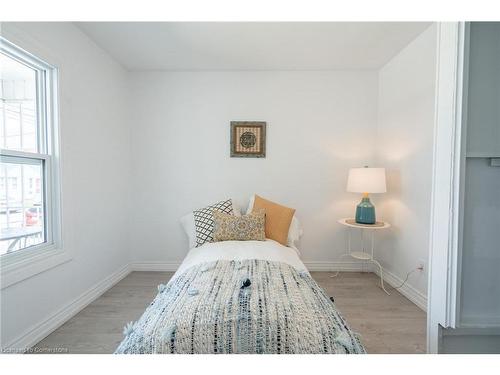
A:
(248, 306)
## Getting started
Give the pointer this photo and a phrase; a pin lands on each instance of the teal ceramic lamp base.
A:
(365, 211)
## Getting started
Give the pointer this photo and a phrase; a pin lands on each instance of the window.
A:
(29, 198)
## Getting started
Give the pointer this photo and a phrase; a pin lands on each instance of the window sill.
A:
(21, 267)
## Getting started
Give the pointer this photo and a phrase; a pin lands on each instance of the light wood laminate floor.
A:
(387, 324)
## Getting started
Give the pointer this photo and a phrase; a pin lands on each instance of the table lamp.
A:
(366, 180)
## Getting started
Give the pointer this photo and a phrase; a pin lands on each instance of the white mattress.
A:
(238, 250)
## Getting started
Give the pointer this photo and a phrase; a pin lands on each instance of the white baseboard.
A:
(415, 296)
(322, 266)
(155, 266)
(311, 266)
(41, 330)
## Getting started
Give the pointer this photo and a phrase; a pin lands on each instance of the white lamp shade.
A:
(366, 180)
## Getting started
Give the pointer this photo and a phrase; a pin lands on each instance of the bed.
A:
(241, 297)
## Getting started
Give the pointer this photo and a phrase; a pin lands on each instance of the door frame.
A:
(447, 177)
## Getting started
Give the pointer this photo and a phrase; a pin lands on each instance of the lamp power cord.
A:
(420, 268)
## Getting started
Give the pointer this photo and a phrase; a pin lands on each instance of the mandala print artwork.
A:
(248, 139)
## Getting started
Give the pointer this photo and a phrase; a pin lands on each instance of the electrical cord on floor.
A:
(406, 279)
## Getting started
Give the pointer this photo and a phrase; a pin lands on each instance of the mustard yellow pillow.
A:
(278, 219)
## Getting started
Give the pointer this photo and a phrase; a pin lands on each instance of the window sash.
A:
(43, 73)
(21, 157)
(47, 141)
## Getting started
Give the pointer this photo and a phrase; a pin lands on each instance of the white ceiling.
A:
(252, 45)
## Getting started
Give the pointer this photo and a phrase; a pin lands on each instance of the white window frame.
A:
(24, 263)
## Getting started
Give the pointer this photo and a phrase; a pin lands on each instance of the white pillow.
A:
(236, 208)
(295, 231)
(187, 222)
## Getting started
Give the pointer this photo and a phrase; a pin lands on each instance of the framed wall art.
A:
(248, 139)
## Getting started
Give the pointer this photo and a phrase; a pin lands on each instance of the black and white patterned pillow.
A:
(204, 220)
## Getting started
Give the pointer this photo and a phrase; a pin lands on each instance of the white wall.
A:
(319, 124)
(404, 148)
(95, 151)
(168, 144)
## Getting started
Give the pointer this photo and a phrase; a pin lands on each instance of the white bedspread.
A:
(249, 297)
(239, 250)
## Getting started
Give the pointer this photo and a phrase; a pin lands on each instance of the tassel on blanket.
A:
(245, 283)
(207, 267)
(169, 333)
(346, 341)
(128, 329)
(161, 288)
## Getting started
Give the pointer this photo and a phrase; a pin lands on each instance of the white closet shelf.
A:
(483, 154)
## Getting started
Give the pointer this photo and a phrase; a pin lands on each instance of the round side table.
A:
(363, 255)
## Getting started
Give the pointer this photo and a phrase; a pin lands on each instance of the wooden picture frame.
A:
(248, 139)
